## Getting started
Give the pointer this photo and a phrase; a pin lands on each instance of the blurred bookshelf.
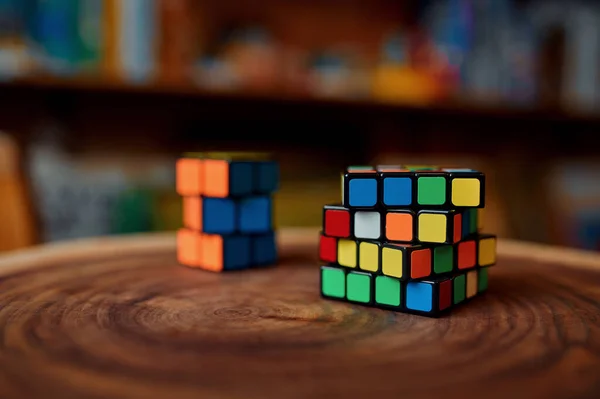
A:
(116, 90)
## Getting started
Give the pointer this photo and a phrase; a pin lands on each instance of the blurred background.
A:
(99, 97)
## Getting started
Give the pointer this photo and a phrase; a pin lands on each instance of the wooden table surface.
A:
(118, 318)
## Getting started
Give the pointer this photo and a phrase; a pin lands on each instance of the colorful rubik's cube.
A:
(227, 210)
(407, 238)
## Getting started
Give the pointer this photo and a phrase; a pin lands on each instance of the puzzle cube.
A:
(226, 175)
(252, 214)
(214, 252)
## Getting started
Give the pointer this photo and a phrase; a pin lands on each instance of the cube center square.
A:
(367, 224)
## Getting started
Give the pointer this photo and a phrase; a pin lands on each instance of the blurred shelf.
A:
(351, 107)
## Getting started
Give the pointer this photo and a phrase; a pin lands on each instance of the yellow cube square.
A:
(487, 251)
(432, 227)
(368, 256)
(466, 192)
(392, 262)
(347, 253)
(471, 283)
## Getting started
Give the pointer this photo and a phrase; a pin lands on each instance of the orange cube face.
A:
(189, 177)
(192, 213)
(212, 252)
(189, 246)
(216, 178)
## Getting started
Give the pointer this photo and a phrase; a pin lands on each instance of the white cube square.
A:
(367, 224)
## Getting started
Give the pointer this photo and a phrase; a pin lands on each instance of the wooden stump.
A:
(118, 318)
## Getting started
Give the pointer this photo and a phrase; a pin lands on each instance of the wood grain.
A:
(118, 318)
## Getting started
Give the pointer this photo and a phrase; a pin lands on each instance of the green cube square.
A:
(482, 279)
(333, 282)
(443, 259)
(431, 190)
(459, 288)
(473, 220)
(358, 286)
(387, 291)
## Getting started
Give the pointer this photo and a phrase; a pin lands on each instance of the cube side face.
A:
(472, 283)
(347, 253)
(333, 282)
(466, 252)
(216, 178)
(192, 213)
(328, 249)
(445, 295)
(388, 292)
(337, 222)
(359, 287)
(420, 263)
(219, 215)
(482, 280)
(267, 177)
(367, 225)
(264, 249)
(459, 289)
(236, 252)
(486, 251)
(241, 179)
(189, 248)
(361, 189)
(443, 259)
(255, 214)
(399, 226)
(369, 256)
(394, 262)
(189, 177)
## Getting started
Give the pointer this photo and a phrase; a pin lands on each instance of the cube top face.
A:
(412, 186)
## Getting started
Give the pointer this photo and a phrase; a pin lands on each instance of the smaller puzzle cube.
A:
(213, 252)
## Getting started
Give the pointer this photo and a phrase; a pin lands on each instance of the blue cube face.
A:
(362, 192)
(419, 296)
(266, 177)
(241, 178)
(218, 215)
(264, 249)
(237, 252)
(397, 191)
(255, 214)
